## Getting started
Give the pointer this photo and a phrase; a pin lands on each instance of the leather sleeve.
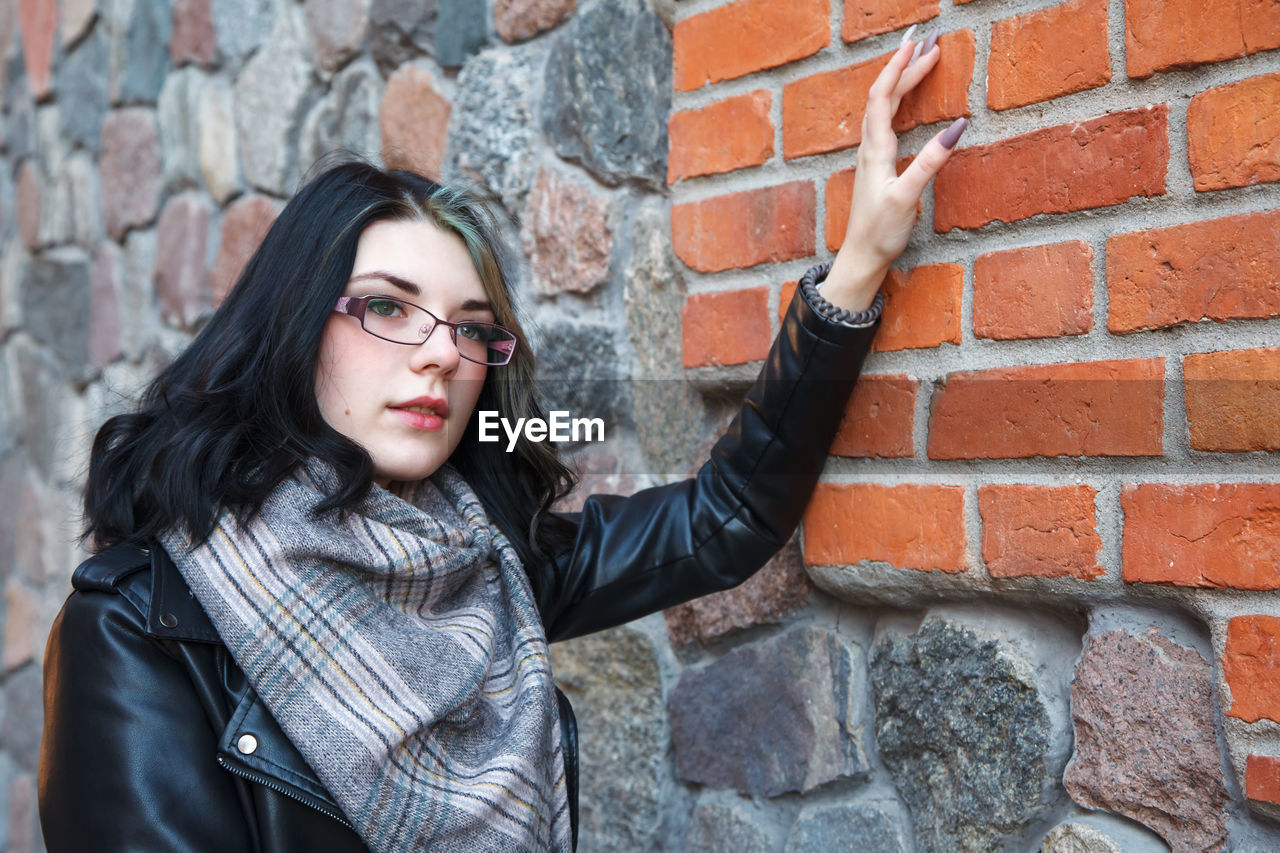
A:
(662, 546)
(127, 762)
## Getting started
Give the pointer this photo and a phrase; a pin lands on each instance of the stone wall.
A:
(976, 645)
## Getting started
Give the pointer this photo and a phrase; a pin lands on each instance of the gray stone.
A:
(668, 412)
(218, 157)
(24, 825)
(346, 118)
(781, 715)
(614, 682)
(335, 30)
(139, 50)
(181, 275)
(130, 166)
(965, 734)
(105, 340)
(137, 293)
(241, 26)
(55, 306)
(401, 31)
(717, 828)
(462, 28)
(20, 120)
(273, 94)
(565, 233)
(878, 825)
(23, 716)
(71, 212)
(608, 93)
(492, 137)
(1077, 838)
(178, 119)
(81, 81)
(578, 373)
(8, 218)
(1146, 743)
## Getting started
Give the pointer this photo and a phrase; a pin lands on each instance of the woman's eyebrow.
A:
(394, 280)
(413, 289)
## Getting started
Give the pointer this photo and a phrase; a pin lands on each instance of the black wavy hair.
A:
(236, 413)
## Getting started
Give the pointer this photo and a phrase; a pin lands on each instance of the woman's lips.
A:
(419, 420)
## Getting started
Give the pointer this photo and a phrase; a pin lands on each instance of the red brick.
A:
(742, 229)
(1233, 399)
(879, 418)
(1221, 535)
(1034, 292)
(1092, 408)
(864, 18)
(39, 22)
(1221, 269)
(731, 327)
(823, 112)
(1039, 531)
(1251, 665)
(911, 527)
(839, 199)
(1048, 53)
(727, 135)
(1077, 166)
(1161, 35)
(1262, 778)
(785, 296)
(746, 36)
(1233, 134)
(921, 308)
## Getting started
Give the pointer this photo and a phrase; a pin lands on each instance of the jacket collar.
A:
(175, 614)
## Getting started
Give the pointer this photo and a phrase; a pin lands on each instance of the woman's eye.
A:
(386, 307)
(474, 333)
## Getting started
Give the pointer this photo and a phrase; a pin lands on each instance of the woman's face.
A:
(375, 391)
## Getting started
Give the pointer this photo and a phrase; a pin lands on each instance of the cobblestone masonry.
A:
(1055, 502)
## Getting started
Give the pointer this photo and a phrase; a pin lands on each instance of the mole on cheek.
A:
(346, 411)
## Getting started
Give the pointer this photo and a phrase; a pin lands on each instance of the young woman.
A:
(318, 613)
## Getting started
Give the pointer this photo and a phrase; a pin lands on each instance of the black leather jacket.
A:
(146, 714)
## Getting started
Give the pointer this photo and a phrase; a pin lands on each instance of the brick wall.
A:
(1073, 400)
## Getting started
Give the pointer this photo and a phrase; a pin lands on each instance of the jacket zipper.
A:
(267, 781)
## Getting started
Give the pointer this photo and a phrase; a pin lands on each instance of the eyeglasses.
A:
(405, 323)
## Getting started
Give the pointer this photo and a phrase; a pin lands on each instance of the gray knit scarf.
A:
(401, 651)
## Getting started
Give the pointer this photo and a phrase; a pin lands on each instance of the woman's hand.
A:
(883, 210)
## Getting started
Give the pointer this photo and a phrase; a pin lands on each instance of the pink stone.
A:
(1146, 744)
(27, 200)
(335, 29)
(20, 604)
(130, 165)
(566, 234)
(39, 21)
(415, 122)
(194, 38)
(244, 224)
(182, 237)
(780, 588)
(104, 301)
(517, 20)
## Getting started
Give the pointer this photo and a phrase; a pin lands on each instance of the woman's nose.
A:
(438, 350)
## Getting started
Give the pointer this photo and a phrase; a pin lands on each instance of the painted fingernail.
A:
(951, 135)
(915, 54)
(906, 37)
(930, 41)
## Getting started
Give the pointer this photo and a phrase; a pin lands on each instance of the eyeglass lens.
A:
(486, 343)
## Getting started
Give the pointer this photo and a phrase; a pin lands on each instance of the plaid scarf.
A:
(401, 651)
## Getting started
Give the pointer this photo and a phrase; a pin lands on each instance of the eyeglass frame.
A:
(345, 303)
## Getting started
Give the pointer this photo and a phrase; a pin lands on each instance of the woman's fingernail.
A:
(930, 41)
(951, 135)
(915, 54)
(906, 37)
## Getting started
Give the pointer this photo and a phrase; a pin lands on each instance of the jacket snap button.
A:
(247, 744)
(168, 620)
